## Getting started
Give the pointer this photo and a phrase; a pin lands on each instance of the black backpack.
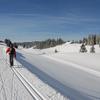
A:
(12, 51)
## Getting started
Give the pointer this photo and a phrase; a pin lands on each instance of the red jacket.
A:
(8, 51)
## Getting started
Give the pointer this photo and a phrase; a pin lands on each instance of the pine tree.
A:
(83, 48)
(92, 49)
(56, 51)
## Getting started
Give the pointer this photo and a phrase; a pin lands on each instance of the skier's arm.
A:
(8, 50)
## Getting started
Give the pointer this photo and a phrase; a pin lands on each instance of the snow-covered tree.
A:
(92, 49)
(56, 51)
(83, 48)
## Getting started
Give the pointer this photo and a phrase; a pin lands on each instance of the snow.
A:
(10, 87)
(20, 84)
(70, 48)
(69, 53)
(78, 72)
(67, 74)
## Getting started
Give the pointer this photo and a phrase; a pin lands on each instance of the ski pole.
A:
(6, 59)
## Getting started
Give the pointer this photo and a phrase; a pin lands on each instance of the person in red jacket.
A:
(12, 53)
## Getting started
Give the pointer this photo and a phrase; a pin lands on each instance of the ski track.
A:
(48, 92)
(35, 94)
(42, 89)
(32, 91)
(11, 86)
(91, 75)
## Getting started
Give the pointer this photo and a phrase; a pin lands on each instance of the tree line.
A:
(48, 43)
(92, 39)
(42, 44)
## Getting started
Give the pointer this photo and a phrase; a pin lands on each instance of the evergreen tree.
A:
(85, 41)
(56, 51)
(92, 49)
(83, 48)
(15, 45)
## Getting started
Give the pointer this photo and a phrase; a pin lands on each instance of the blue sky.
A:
(29, 20)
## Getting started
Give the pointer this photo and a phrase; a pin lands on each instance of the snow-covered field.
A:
(69, 54)
(19, 83)
(11, 87)
(78, 72)
(64, 75)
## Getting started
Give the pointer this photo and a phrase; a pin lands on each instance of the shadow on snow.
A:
(66, 91)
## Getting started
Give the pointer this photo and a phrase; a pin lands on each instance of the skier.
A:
(12, 53)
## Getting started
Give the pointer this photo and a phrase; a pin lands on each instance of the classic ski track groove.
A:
(30, 88)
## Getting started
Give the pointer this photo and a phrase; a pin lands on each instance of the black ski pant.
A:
(11, 57)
